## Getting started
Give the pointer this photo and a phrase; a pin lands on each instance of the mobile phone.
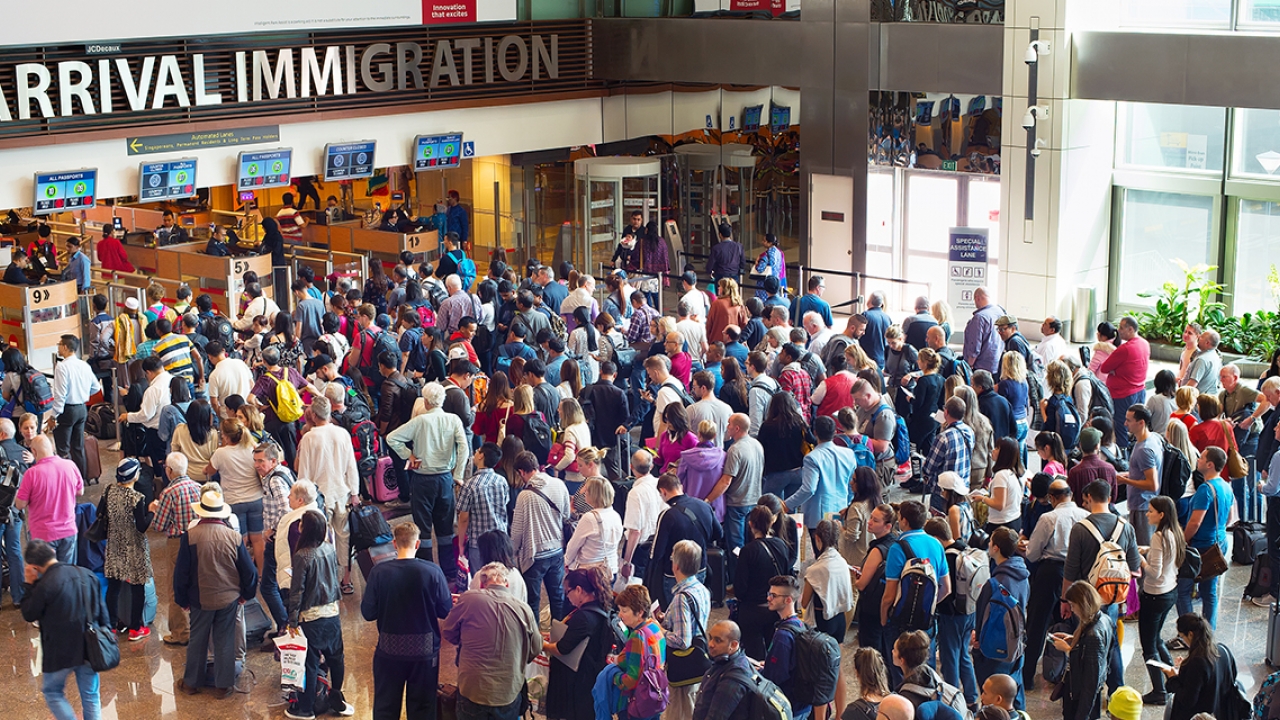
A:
(653, 607)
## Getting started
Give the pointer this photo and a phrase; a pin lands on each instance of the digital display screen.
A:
(169, 180)
(261, 170)
(437, 151)
(348, 161)
(58, 191)
(751, 118)
(779, 118)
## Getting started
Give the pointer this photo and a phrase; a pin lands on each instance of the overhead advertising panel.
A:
(68, 190)
(348, 161)
(434, 152)
(168, 180)
(103, 26)
(262, 170)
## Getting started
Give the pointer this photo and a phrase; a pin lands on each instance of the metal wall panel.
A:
(746, 52)
(927, 57)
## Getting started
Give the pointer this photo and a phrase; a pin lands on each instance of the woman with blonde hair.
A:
(949, 388)
(941, 312)
(701, 467)
(576, 435)
(599, 531)
(1184, 398)
(522, 407)
(254, 422)
(1058, 411)
(589, 460)
(1013, 387)
(726, 310)
(857, 358)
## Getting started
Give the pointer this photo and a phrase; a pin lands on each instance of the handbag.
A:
(686, 667)
(1236, 466)
(651, 694)
(97, 531)
(101, 650)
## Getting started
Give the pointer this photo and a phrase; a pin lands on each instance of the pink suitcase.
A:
(385, 488)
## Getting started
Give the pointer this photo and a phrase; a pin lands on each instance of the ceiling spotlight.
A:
(1035, 50)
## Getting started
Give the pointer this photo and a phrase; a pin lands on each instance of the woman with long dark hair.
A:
(376, 287)
(1162, 403)
(783, 434)
(855, 539)
(1004, 501)
(674, 436)
(654, 261)
(734, 390)
(1195, 682)
(770, 262)
(175, 413)
(493, 416)
(569, 691)
(764, 556)
(1160, 563)
(583, 343)
(314, 588)
(1087, 651)
(196, 439)
(1107, 340)
(282, 338)
(1053, 458)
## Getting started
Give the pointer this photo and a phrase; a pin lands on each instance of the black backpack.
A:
(406, 396)
(368, 448)
(36, 390)
(764, 700)
(1101, 396)
(368, 528)
(1175, 471)
(537, 437)
(817, 659)
(217, 328)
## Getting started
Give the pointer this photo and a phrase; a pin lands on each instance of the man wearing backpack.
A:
(914, 583)
(880, 427)
(951, 452)
(780, 663)
(366, 348)
(1047, 551)
(1083, 551)
(955, 614)
(760, 390)
(277, 392)
(1145, 458)
(724, 687)
(920, 683)
(1001, 624)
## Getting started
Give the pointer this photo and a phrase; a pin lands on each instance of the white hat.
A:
(132, 303)
(458, 352)
(953, 482)
(211, 505)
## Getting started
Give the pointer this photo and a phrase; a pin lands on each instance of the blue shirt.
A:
(714, 369)
(737, 351)
(458, 222)
(517, 349)
(924, 546)
(781, 661)
(778, 300)
(824, 485)
(1213, 526)
(813, 303)
(1146, 455)
(553, 370)
(1015, 391)
(872, 340)
(78, 270)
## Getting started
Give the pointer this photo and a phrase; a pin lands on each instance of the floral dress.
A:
(770, 262)
(128, 555)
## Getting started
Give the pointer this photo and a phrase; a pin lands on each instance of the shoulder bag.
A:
(686, 667)
(1236, 466)
(101, 650)
(1212, 562)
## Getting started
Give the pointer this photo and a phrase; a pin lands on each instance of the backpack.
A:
(973, 570)
(374, 345)
(1004, 622)
(36, 390)
(558, 328)
(685, 398)
(763, 700)
(1265, 706)
(1109, 573)
(217, 328)
(418, 360)
(288, 405)
(367, 446)
(817, 667)
(962, 368)
(537, 437)
(426, 316)
(1068, 423)
(943, 694)
(368, 528)
(466, 270)
(1100, 397)
(651, 694)
(1175, 471)
(406, 396)
(917, 595)
(615, 642)
(1053, 664)
(435, 293)
(901, 438)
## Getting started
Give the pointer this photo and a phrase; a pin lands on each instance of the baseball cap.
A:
(457, 352)
(953, 482)
(1089, 439)
(132, 303)
(1007, 320)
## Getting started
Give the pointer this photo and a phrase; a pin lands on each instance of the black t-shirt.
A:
(947, 606)
(869, 600)
(15, 275)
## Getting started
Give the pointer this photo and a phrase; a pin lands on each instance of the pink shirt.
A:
(50, 487)
(1127, 368)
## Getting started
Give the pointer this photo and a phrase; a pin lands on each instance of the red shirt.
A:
(471, 352)
(111, 255)
(1128, 368)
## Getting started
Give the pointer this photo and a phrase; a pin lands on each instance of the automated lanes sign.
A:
(180, 142)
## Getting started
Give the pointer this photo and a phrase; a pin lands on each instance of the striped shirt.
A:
(275, 497)
(484, 499)
(537, 528)
(638, 330)
(174, 351)
(174, 513)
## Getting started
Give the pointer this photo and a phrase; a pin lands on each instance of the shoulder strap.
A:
(542, 495)
(906, 549)
(776, 566)
(1115, 534)
(1088, 524)
(697, 622)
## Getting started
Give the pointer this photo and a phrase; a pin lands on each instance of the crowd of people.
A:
(641, 468)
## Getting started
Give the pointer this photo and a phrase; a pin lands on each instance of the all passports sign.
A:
(966, 269)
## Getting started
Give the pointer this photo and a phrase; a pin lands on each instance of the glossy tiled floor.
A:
(142, 687)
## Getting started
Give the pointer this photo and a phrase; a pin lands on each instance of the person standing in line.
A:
(1242, 406)
(877, 322)
(11, 527)
(127, 559)
(407, 597)
(482, 503)
(457, 221)
(724, 687)
(955, 617)
(983, 345)
(913, 516)
(1207, 526)
(1160, 564)
(780, 663)
(725, 259)
(1268, 487)
(1145, 460)
(307, 314)
(62, 599)
(684, 621)
(1126, 372)
(1046, 550)
(1010, 575)
(155, 399)
(740, 483)
(73, 384)
(172, 514)
(277, 481)
(640, 522)
(326, 458)
(825, 477)
(313, 608)
(537, 528)
(48, 493)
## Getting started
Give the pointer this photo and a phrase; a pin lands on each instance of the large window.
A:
(1257, 144)
(1257, 227)
(1177, 13)
(1157, 228)
(880, 225)
(1175, 137)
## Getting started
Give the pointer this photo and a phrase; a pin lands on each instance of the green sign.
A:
(948, 164)
(179, 142)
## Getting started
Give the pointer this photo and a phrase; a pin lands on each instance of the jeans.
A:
(1151, 616)
(270, 586)
(432, 506)
(783, 484)
(64, 549)
(1246, 488)
(11, 539)
(1115, 664)
(68, 435)
(1042, 604)
(1118, 408)
(956, 660)
(324, 638)
(396, 679)
(54, 686)
(468, 710)
(1023, 426)
(220, 624)
(735, 533)
(547, 569)
(1208, 595)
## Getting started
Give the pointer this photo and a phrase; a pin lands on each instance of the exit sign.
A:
(948, 164)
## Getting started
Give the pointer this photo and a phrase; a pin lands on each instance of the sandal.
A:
(347, 588)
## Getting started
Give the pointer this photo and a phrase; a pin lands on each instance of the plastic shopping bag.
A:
(293, 660)
(537, 674)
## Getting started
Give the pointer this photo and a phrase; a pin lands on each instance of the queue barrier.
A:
(352, 237)
(186, 263)
(35, 317)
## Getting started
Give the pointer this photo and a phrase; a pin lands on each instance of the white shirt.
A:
(1161, 574)
(230, 377)
(697, 303)
(326, 458)
(284, 558)
(1052, 532)
(73, 383)
(1012, 498)
(644, 505)
(1051, 348)
(666, 394)
(261, 305)
(818, 342)
(595, 541)
(695, 334)
(153, 401)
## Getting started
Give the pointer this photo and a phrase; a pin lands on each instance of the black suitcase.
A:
(1259, 578)
(256, 623)
(716, 576)
(1248, 539)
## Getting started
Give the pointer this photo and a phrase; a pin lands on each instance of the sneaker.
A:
(1264, 601)
(290, 714)
(1176, 644)
(141, 633)
(1154, 698)
(347, 710)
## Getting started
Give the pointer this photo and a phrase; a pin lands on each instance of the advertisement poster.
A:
(966, 269)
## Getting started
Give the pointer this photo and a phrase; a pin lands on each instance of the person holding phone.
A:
(1087, 652)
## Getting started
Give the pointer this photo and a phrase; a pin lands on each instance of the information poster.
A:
(348, 161)
(434, 152)
(966, 270)
(262, 170)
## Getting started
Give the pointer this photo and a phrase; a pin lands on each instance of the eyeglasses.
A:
(772, 595)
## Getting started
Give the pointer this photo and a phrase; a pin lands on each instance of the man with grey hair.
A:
(921, 321)
(326, 458)
(458, 305)
(495, 634)
(640, 521)
(438, 460)
(1242, 406)
(171, 515)
(1202, 373)
(658, 368)
(48, 493)
(873, 341)
(553, 293)
(819, 332)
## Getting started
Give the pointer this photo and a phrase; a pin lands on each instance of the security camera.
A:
(1034, 113)
(1035, 50)
(1035, 151)
(1029, 120)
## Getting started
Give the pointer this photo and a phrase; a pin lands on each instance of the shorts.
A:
(249, 514)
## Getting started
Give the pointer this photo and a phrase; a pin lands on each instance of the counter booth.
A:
(35, 317)
(347, 241)
(187, 264)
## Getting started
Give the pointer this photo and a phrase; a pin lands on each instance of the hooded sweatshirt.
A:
(699, 470)
(1015, 577)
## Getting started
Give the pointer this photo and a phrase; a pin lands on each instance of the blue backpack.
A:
(418, 360)
(466, 271)
(917, 598)
(901, 438)
(1003, 625)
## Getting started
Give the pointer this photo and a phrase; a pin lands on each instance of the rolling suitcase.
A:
(148, 606)
(256, 622)
(716, 576)
(1259, 578)
(385, 488)
(92, 460)
(375, 555)
(1248, 539)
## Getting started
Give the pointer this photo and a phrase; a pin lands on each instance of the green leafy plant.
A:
(1195, 300)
